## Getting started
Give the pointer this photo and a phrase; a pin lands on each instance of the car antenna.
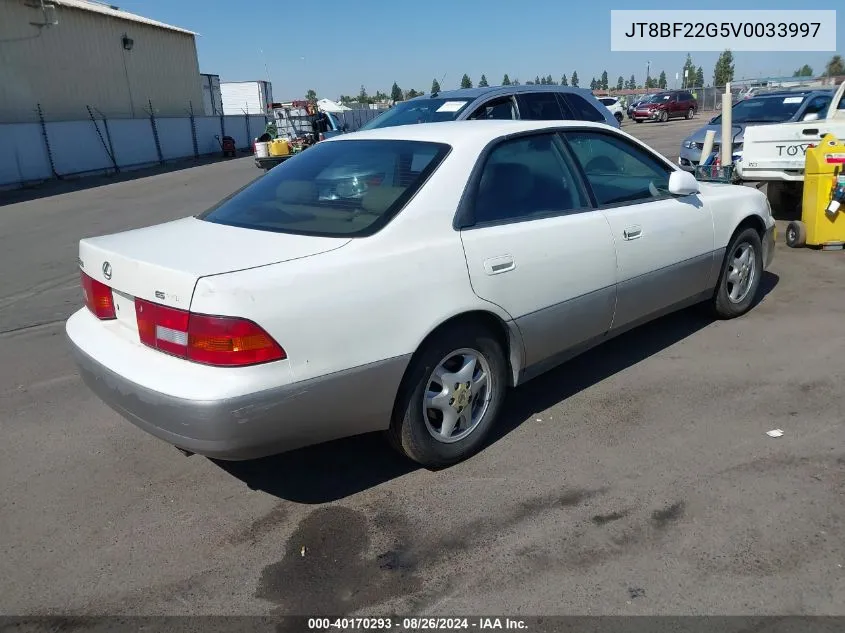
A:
(442, 79)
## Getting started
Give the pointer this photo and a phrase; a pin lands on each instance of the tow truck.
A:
(773, 155)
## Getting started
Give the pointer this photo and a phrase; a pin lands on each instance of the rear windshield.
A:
(419, 111)
(334, 189)
(765, 109)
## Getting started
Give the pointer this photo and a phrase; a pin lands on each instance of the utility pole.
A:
(648, 74)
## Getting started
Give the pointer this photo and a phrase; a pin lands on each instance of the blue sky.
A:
(335, 46)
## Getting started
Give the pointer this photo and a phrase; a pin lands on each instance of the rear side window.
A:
(334, 189)
(527, 177)
(539, 106)
(582, 110)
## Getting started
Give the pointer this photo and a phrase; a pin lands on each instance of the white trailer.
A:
(246, 97)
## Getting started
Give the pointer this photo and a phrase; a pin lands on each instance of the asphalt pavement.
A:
(636, 479)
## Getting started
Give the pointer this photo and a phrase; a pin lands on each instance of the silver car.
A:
(531, 102)
(773, 107)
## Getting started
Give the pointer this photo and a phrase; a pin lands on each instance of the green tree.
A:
(661, 81)
(574, 80)
(515, 81)
(564, 81)
(724, 70)
(311, 95)
(380, 96)
(466, 82)
(804, 71)
(537, 81)
(835, 66)
(506, 81)
(396, 92)
(632, 83)
(593, 83)
(363, 97)
(410, 94)
(604, 83)
(483, 83)
(435, 86)
(550, 81)
(699, 77)
(620, 83)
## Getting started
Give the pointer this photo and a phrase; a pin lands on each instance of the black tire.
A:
(638, 120)
(796, 234)
(664, 116)
(723, 306)
(409, 432)
(690, 113)
(619, 117)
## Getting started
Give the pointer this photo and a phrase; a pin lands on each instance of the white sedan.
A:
(402, 279)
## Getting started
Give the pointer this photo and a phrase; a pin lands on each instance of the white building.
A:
(69, 54)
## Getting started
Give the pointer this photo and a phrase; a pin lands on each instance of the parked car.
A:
(537, 103)
(634, 102)
(769, 108)
(667, 105)
(615, 106)
(402, 279)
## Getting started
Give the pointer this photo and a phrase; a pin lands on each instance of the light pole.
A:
(647, 75)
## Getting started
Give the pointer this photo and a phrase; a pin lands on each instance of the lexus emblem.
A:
(106, 270)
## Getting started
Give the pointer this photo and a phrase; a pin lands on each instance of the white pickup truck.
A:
(774, 155)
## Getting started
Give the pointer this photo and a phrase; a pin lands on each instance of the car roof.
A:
(474, 93)
(455, 132)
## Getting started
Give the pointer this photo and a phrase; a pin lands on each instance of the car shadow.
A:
(70, 184)
(335, 470)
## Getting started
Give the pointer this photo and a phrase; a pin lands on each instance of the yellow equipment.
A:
(279, 147)
(823, 207)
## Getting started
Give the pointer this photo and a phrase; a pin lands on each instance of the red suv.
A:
(666, 105)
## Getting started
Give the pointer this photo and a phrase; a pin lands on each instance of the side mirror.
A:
(682, 183)
(812, 116)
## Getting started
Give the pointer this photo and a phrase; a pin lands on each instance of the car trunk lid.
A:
(162, 263)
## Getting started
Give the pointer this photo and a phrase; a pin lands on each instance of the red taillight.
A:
(98, 297)
(210, 340)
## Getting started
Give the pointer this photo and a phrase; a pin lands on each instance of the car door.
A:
(675, 105)
(664, 244)
(536, 247)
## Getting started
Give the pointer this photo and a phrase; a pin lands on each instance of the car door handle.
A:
(632, 232)
(813, 131)
(499, 265)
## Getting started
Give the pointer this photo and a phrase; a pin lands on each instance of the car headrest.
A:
(513, 181)
(296, 191)
(377, 200)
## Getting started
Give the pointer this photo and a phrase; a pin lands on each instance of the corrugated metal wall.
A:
(81, 61)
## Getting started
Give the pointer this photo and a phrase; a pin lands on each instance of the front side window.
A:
(539, 106)
(336, 188)
(501, 108)
(617, 171)
(524, 177)
(581, 109)
(419, 111)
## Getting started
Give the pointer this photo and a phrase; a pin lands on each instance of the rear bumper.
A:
(264, 423)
